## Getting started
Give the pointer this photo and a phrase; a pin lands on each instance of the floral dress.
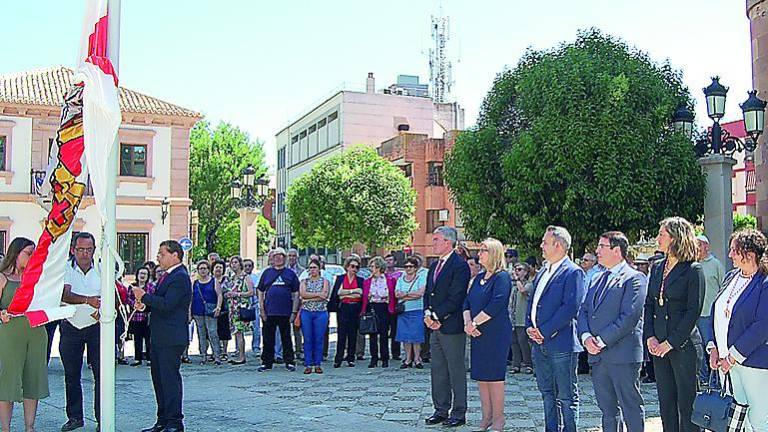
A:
(238, 285)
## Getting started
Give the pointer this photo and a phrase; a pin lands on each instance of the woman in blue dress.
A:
(487, 322)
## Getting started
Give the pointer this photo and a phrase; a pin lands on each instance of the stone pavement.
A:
(238, 398)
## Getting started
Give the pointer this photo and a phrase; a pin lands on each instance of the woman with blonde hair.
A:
(487, 322)
(672, 307)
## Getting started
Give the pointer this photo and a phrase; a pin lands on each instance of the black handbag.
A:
(209, 307)
(399, 308)
(246, 314)
(717, 410)
(369, 323)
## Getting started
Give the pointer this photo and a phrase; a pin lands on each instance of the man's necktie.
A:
(437, 270)
(602, 284)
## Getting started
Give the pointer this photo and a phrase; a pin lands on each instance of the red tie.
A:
(437, 270)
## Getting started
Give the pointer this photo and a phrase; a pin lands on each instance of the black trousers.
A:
(676, 383)
(395, 345)
(270, 326)
(348, 321)
(379, 345)
(73, 343)
(166, 379)
(50, 328)
(141, 335)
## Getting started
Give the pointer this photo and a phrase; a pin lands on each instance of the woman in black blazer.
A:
(672, 307)
(346, 301)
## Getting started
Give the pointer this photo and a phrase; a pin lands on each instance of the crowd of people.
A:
(675, 318)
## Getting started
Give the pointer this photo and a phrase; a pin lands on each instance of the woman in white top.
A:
(740, 326)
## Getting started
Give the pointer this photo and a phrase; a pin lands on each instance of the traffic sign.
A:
(186, 243)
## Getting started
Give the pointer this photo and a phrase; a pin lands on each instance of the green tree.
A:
(741, 222)
(577, 136)
(217, 156)
(352, 197)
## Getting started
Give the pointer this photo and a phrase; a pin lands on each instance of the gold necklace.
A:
(667, 269)
(734, 292)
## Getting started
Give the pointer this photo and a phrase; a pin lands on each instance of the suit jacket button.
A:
(433, 294)
(593, 317)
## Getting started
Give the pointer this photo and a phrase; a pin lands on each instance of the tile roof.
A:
(48, 86)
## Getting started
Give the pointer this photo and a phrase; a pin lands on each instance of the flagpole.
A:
(109, 238)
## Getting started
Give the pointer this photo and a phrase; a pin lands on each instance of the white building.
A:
(153, 164)
(348, 118)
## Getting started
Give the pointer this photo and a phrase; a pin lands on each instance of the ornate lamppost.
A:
(248, 196)
(715, 148)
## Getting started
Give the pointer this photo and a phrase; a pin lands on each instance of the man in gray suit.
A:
(610, 327)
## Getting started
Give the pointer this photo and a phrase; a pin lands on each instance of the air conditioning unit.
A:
(442, 215)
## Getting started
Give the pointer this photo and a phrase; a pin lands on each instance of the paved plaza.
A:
(238, 398)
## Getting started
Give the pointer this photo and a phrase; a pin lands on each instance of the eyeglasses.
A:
(520, 269)
(82, 249)
(354, 266)
(409, 266)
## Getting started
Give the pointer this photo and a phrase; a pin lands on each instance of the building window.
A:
(407, 170)
(303, 146)
(435, 174)
(133, 250)
(312, 140)
(333, 129)
(133, 160)
(433, 220)
(281, 202)
(281, 158)
(3, 239)
(3, 153)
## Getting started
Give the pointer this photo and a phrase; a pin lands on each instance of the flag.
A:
(90, 119)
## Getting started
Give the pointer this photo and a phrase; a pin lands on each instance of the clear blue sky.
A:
(258, 64)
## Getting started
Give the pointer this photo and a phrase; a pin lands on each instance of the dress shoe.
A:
(290, 367)
(172, 429)
(418, 366)
(336, 365)
(360, 358)
(435, 419)
(318, 370)
(454, 422)
(385, 364)
(137, 363)
(264, 368)
(372, 365)
(351, 364)
(307, 370)
(155, 428)
(185, 360)
(71, 425)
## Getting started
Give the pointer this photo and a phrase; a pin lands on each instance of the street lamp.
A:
(164, 209)
(718, 140)
(251, 192)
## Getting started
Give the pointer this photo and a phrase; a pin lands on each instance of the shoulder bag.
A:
(718, 411)
(209, 307)
(369, 323)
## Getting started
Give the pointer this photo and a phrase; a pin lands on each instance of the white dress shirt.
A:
(87, 284)
(548, 272)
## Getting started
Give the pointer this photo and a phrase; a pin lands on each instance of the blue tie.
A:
(602, 283)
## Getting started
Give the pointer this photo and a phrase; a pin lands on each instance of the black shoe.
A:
(372, 365)
(290, 367)
(279, 361)
(359, 358)
(336, 365)
(649, 380)
(396, 358)
(173, 429)
(418, 366)
(385, 364)
(122, 361)
(435, 419)
(71, 425)
(454, 422)
(405, 365)
(351, 364)
(136, 363)
(264, 368)
(155, 428)
(185, 359)
(425, 360)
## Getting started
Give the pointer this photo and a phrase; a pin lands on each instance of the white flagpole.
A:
(109, 238)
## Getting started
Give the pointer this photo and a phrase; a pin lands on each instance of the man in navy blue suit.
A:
(558, 291)
(611, 329)
(168, 319)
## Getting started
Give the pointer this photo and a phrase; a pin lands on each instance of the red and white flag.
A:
(90, 119)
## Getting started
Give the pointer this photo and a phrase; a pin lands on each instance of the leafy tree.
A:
(741, 222)
(577, 136)
(218, 156)
(353, 197)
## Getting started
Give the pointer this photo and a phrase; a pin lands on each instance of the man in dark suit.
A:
(447, 282)
(611, 329)
(168, 319)
(558, 291)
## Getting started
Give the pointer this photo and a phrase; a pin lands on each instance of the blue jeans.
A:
(704, 324)
(256, 325)
(313, 325)
(556, 379)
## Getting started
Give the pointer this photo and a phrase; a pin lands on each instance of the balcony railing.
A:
(751, 181)
(38, 179)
